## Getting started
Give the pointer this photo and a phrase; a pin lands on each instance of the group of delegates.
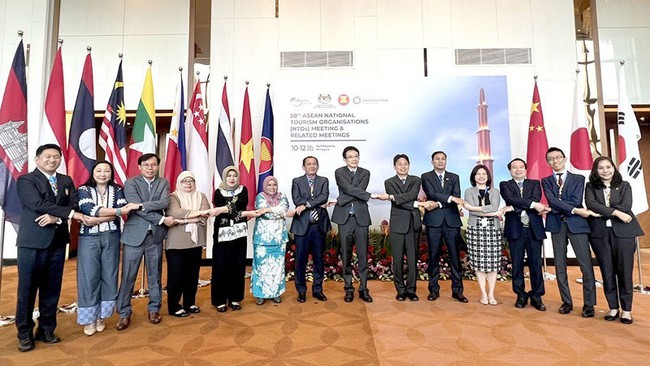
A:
(50, 199)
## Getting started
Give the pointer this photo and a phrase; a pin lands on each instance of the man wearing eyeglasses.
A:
(144, 232)
(567, 222)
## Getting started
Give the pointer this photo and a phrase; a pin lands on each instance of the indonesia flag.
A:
(82, 150)
(224, 151)
(580, 157)
(197, 141)
(629, 159)
(175, 160)
(143, 136)
(53, 126)
(247, 155)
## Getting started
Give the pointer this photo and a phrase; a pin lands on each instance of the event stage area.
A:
(385, 332)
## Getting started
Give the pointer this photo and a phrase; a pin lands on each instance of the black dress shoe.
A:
(25, 344)
(235, 306)
(181, 313)
(302, 297)
(627, 320)
(521, 302)
(588, 311)
(610, 318)
(566, 308)
(538, 304)
(413, 297)
(222, 308)
(365, 296)
(194, 309)
(433, 296)
(319, 296)
(46, 337)
(459, 297)
(349, 296)
(400, 297)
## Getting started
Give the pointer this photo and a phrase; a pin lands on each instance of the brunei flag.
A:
(82, 149)
(266, 145)
(143, 136)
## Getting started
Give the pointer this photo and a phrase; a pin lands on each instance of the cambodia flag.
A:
(247, 154)
(266, 145)
(13, 136)
(82, 146)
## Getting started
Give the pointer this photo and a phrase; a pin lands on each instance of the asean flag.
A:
(266, 145)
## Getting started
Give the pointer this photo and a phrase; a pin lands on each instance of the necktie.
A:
(521, 188)
(559, 179)
(403, 180)
(441, 182)
(53, 185)
(525, 220)
(313, 214)
(352, 204)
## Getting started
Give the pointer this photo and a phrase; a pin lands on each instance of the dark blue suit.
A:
(443, 222)
(565, 226)
(41, 250)
(524, 240)
(310, 236)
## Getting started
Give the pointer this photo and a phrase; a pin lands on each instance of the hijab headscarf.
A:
(272, 198)
(223, 186)
(189, 201)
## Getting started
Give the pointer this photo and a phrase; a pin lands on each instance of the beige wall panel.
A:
(156, 17)
(255, 8)
(436, 23)
(474, 24)
(513, 23)
(300, 26)
(399, 24)
(337, 26)
(97, 17)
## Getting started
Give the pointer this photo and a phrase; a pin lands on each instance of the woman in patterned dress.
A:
(269, 243)
(102, 202)
(484, 230)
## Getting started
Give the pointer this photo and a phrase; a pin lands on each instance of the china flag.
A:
(537, 142)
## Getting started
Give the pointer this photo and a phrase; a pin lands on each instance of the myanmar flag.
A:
(143, 136)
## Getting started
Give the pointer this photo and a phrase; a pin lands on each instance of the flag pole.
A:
(643, 290)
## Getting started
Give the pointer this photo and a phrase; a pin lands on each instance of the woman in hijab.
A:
(184, 244)
(269, 243)
(229, 249)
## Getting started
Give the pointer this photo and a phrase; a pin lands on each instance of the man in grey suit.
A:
(144, 232)
(311, 223)
(405, 225)
(352, 216)
(443, 221)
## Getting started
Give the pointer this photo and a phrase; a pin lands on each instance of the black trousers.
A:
(435, 237)
(351, 233)
(526, 244)
(183, 267)
(401, 244)
(39, 270)
(312, 242)
(616, 259)
(228, 270)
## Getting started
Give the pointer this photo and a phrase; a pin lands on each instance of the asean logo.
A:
(344, 99)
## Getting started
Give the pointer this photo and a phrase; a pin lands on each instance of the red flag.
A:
(82, 150)
(537, 142)
(176, 155)
(247, 155)
(53, 128)
(580, 155)
(197, 141)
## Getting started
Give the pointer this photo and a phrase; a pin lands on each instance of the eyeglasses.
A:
(555, 158)
(152, 165)
(352, 157)
(187, 181)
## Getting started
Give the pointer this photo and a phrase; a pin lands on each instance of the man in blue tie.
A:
(442, 221)
(310, 193)
(49, 200)
(524, 230)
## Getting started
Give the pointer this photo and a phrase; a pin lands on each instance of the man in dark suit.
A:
(311, 222)
(144, 232)
(524, 230)
(49, 200)
(567, 221)
(352, 216)
(405, 225)
(442, 220)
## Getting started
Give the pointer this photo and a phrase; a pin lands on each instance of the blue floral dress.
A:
(269, 247)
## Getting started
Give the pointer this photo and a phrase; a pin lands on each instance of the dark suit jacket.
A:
(572, 195)
(37, 199)
(620, 199)
(352, 189)
(401, 209)
(435, 192)
(532, 192)
(302, 196)
(136, 189)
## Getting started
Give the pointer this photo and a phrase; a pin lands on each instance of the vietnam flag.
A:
(266, 145)
(247, 155)
(143, 136)
(82, 150)
(537, 142)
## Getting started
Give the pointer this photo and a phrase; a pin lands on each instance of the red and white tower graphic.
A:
(483, 135)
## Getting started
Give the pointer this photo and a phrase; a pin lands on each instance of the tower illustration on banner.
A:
(483, 135)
